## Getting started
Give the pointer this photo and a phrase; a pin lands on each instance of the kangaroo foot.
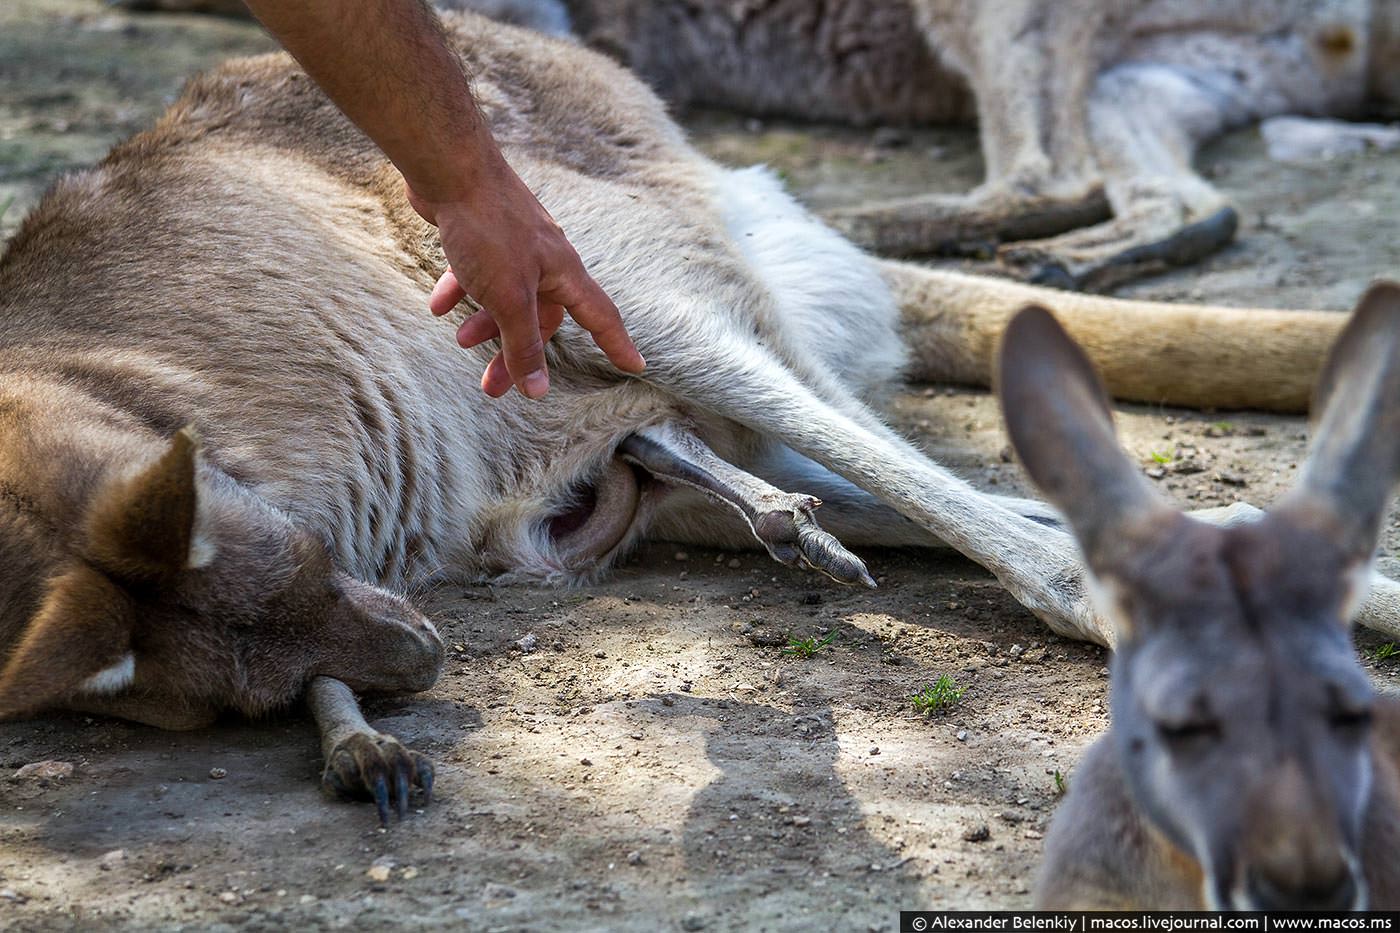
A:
(791, 534)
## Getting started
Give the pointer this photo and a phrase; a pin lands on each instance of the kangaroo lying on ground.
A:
(1249, 764)
(215, 479)
(1090, 111)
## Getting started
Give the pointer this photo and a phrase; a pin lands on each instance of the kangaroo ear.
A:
(79, 640)
(1058, 416)
(1355, 458)
(142, 529)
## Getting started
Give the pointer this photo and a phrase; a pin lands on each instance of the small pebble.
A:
(979, 833)
(734, 563)
(529, 643)
(44, 771)
(634, 858)
(218, 774)
(962, 735)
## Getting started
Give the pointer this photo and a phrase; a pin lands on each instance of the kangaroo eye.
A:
(1350, 720)
(1189, 734)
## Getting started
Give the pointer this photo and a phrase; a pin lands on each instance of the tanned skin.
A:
(386, 64)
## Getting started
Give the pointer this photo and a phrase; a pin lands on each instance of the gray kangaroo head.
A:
(1241, 716)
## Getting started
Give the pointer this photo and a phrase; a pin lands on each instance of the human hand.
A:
(506, 252)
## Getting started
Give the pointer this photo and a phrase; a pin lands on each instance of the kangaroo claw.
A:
(374, 766)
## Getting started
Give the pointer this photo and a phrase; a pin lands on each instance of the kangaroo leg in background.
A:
(1146, 123)
(1173, 354)
(361, 762)
(1031, 65)
(781, 521)
(970, 224)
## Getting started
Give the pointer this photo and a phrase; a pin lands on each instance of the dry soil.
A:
(658, 761)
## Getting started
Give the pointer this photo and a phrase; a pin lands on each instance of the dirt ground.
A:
(657, 761)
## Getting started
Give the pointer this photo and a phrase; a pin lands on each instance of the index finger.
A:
(595, 312)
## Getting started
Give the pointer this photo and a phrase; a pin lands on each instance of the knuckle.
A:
(529, 349)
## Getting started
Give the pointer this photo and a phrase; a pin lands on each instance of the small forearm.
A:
(387, 65)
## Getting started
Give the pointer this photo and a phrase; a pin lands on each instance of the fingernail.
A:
(536, 385)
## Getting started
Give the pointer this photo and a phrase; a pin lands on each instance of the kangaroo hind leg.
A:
(1037, 562)
(781, 521)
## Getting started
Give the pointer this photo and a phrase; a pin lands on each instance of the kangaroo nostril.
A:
(1335, 892)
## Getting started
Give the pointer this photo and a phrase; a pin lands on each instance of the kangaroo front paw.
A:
(791, 534)
(374, 766)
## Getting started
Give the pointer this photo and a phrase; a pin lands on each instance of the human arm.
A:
(387, 65)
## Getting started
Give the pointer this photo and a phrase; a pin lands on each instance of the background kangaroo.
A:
(1249, 764)
(338, 453)
(1087, 110)
(1090, 112)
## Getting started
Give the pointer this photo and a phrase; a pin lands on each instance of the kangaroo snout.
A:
(1268, 888)
(1294, 854)
(386, 645)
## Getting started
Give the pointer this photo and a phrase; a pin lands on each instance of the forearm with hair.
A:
(389, 67)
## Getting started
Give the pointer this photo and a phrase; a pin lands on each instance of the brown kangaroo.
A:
(215, 480)
(1249, 764)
